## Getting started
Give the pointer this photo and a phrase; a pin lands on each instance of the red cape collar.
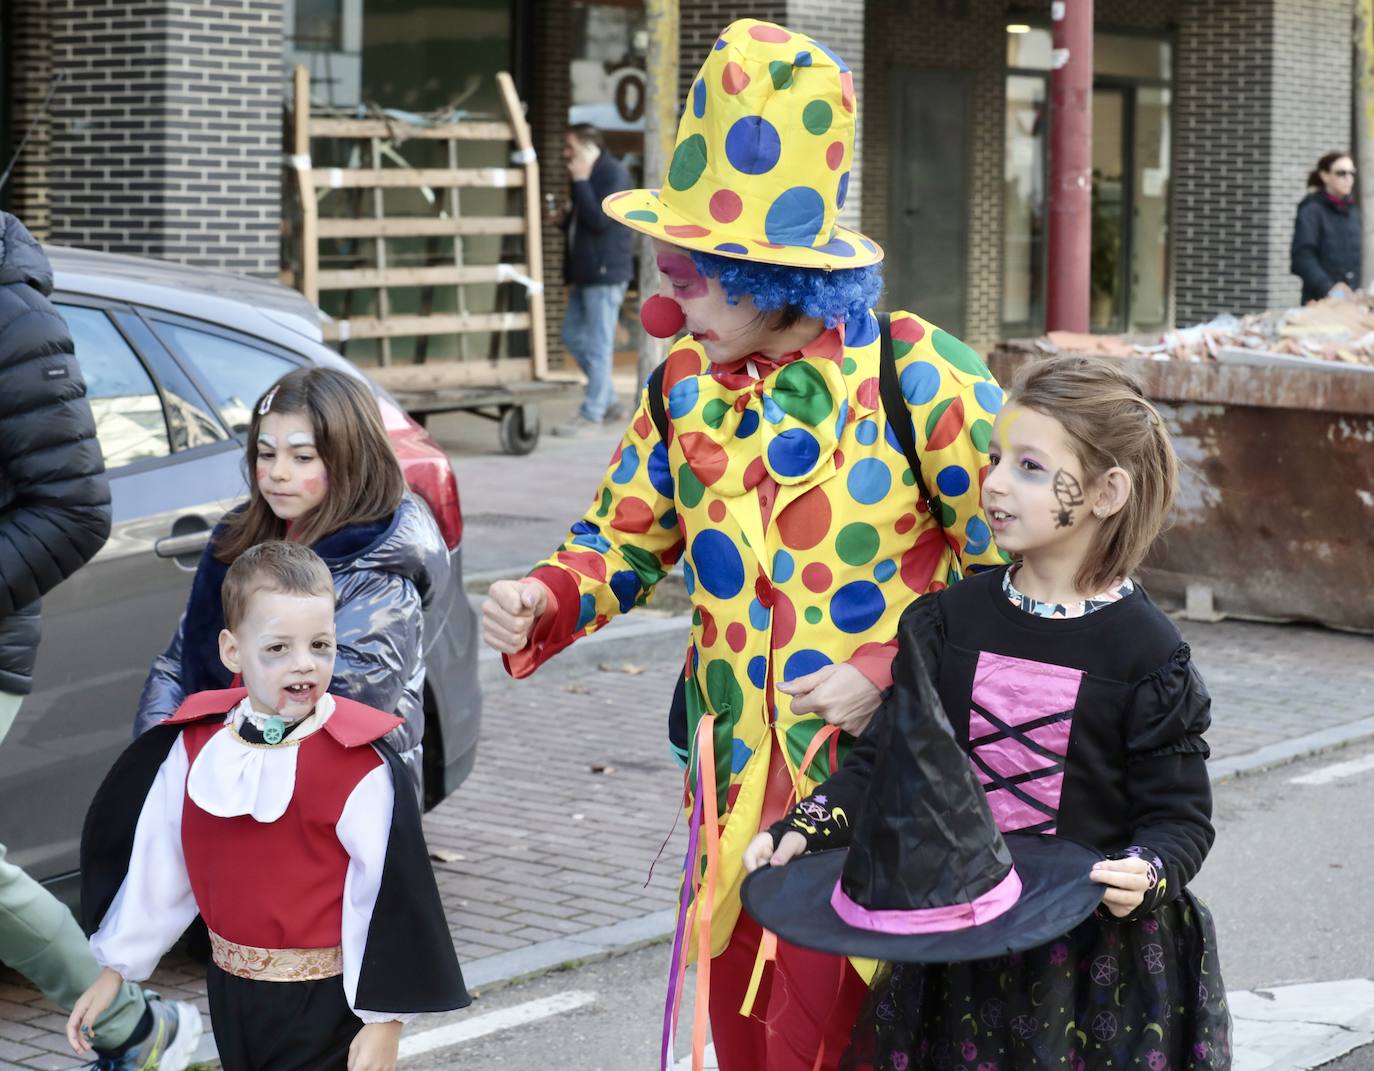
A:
(352, 724)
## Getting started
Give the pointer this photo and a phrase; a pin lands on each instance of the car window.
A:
(190, 420)
(236, 373)
(129, 421)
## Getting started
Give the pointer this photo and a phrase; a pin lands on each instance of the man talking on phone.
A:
(598, 265)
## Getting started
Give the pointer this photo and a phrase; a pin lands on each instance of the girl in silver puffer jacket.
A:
(322, 472)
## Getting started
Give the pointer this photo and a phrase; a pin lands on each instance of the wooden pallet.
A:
(362, 216)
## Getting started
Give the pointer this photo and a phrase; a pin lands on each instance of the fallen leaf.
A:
(628, 668)
(445, 855)
(577, 689)
(602, 768)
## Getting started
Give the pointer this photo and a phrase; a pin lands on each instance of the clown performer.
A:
(773, 452)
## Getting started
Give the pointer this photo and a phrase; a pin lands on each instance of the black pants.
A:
(280, 1026)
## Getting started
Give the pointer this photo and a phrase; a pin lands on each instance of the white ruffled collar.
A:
(232, 777)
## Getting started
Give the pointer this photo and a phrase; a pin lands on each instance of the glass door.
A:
(1110, 244)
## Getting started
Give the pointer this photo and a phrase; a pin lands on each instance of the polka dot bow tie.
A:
(734, 429)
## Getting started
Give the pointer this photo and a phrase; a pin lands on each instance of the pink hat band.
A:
(996, 901)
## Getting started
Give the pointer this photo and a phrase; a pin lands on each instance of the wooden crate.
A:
(362, 215)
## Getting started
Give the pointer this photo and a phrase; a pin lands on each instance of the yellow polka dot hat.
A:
(761, 165)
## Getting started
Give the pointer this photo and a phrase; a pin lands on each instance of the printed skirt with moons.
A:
(847, 548)
(1108, 996)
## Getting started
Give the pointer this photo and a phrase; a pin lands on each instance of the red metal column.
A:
(1071, 158)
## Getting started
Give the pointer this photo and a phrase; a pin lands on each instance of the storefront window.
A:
(1130, 181)
(607, 75)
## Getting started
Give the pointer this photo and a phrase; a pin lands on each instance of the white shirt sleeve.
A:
(364, 830)
(154, 904)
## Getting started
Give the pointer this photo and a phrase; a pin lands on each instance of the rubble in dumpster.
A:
(1334, 332)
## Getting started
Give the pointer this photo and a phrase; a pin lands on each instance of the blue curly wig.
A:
(830, 296)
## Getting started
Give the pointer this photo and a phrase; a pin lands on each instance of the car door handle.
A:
(175, 546)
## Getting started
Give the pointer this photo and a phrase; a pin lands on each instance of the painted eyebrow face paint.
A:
(300, 438)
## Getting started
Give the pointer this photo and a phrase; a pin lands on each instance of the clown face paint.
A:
(289, 472)
(726, 332)
(284, 647)
(1034, 493)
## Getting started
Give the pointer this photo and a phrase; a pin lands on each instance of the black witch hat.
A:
(927, 878)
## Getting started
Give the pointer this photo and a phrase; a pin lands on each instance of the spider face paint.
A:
(1069, 493)
(289, 471)
(1034, 483)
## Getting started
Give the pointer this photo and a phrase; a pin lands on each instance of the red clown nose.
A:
(662, 317)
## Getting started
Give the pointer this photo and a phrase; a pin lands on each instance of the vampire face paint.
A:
(289, 472)
(284, 648)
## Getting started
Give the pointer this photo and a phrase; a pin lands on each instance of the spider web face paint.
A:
(1068, 492)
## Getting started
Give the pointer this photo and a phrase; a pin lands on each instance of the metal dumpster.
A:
(1275, 515)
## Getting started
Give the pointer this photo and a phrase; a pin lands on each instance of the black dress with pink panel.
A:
(1090, 727)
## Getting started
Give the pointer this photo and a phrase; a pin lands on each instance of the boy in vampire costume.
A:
(279, 813)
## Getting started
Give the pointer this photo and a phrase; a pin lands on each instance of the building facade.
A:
(164, 136)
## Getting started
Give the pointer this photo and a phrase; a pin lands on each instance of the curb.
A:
(1288, 751)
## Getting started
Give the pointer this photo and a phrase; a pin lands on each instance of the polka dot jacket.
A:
(802, 534)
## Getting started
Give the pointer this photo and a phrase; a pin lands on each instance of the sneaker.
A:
(577, 427)
(170, 1045)
(616, 414)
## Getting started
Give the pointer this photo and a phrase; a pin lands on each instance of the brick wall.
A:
(1311, 95)
(550, 95)
(1265, 91)
(166, 139)
(29, 82)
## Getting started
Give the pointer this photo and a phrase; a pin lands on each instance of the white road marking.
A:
(1335, 772)
(456, 1033)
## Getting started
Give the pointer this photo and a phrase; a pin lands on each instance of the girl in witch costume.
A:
(1082, 715)
(322, 472)
(815, 467)
(281, 815)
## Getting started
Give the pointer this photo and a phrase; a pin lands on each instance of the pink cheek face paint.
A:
(315, 485)
(682, 273)
(263, 471)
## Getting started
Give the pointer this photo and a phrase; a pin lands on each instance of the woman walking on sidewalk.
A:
(816, 467)
(1326, 236)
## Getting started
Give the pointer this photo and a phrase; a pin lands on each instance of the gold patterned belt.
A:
(276, 964)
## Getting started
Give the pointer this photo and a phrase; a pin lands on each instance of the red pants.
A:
(805, 999)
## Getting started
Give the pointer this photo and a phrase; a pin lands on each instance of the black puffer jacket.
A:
(1326, 246)
(54, 499)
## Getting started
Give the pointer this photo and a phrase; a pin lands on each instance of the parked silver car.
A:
(174, 358)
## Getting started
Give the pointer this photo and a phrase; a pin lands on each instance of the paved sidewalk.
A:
(574, 792)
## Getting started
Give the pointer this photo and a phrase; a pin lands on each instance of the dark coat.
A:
(599, 250)
(385, 573)
(54, 498)
(1326, 246)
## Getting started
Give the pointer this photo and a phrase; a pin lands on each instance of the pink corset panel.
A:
(1018, 731)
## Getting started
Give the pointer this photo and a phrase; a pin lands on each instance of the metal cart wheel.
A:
(518, 429)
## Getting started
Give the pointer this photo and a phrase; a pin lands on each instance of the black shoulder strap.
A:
(656, 410)
(897, 412)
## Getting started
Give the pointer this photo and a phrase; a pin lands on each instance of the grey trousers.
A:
(40, 939)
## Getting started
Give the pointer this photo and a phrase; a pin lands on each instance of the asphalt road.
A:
(1287, 881)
